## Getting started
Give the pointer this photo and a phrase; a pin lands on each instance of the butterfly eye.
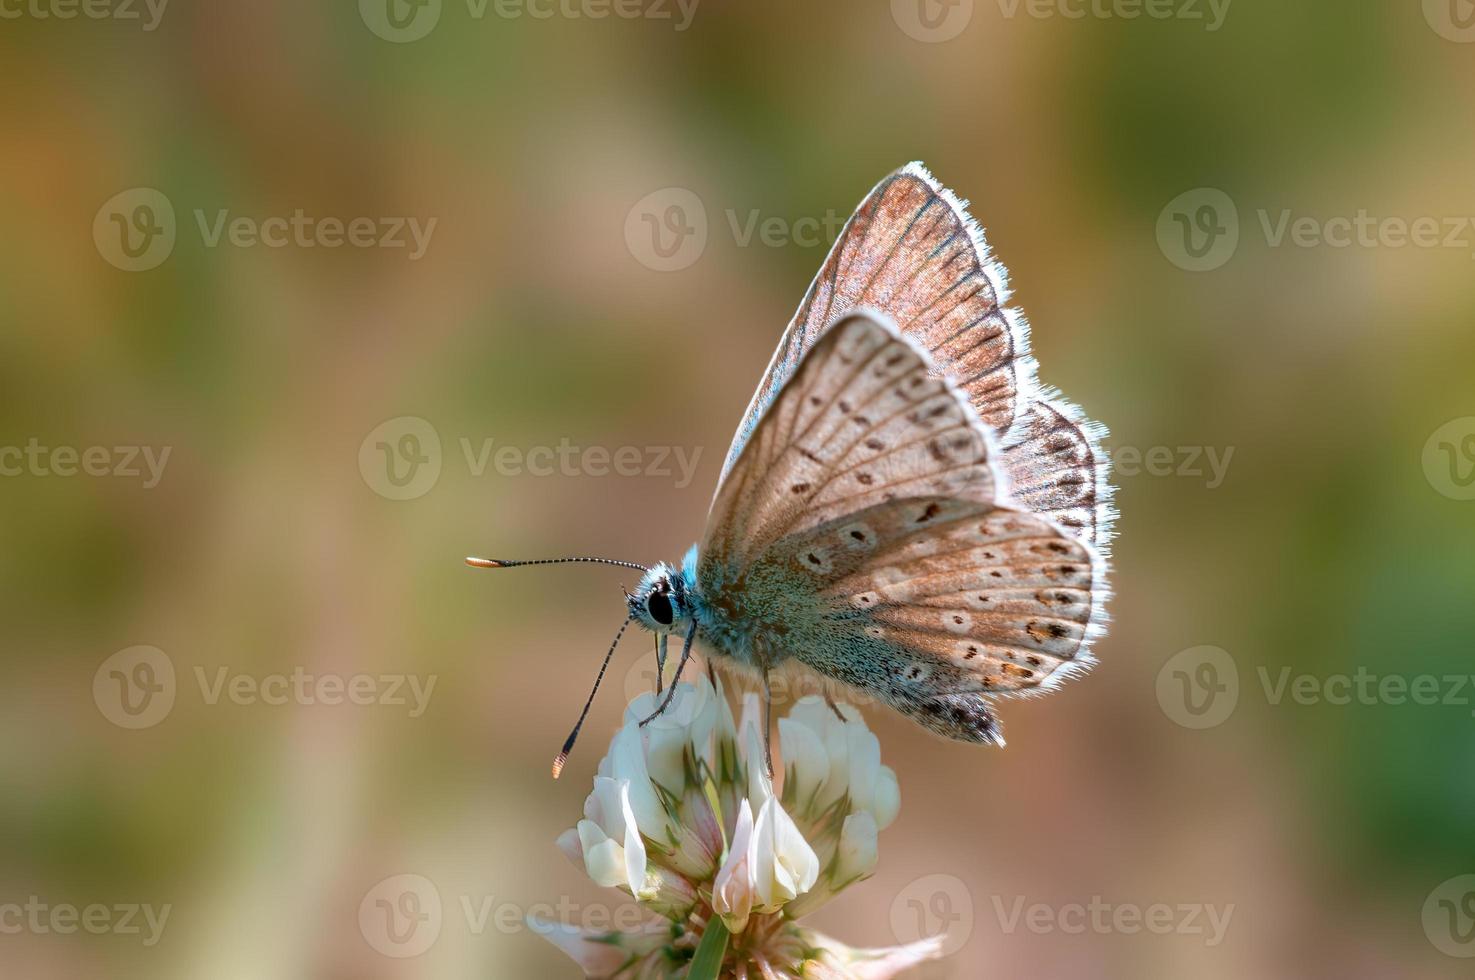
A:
(659, 607)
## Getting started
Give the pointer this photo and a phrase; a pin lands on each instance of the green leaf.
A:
(707, 964)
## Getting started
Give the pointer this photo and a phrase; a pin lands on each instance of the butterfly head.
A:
(661, 602)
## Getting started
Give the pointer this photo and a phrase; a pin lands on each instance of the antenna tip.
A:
(475, 562)
(558, 764)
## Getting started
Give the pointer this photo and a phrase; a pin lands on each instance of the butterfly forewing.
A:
(861, 422)
(912, 252)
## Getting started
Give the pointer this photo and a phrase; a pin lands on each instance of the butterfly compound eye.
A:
(659, 607)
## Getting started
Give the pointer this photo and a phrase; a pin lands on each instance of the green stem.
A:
(707, 963)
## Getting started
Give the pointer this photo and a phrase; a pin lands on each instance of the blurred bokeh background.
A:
(214, 480)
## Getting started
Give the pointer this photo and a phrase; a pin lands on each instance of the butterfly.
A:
(905, 512)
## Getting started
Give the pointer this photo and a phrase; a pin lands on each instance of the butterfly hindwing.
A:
(1056, 467)
(912, 252)
(858, 534)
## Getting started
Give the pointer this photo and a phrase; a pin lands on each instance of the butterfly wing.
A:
(1056, 467)
(858, 533)
(912, 252)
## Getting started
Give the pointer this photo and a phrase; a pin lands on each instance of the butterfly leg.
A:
(660, 661)
(691, 635)
(768, 723)
(834, 707)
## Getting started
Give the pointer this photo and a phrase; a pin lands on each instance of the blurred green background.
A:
(1337, 372)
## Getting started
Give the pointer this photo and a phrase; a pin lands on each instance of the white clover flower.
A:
(685, 818)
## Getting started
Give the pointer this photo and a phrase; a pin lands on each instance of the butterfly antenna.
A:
(573, 736)
(505, 563)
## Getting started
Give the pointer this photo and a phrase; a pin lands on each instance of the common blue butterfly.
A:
(905, 510)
